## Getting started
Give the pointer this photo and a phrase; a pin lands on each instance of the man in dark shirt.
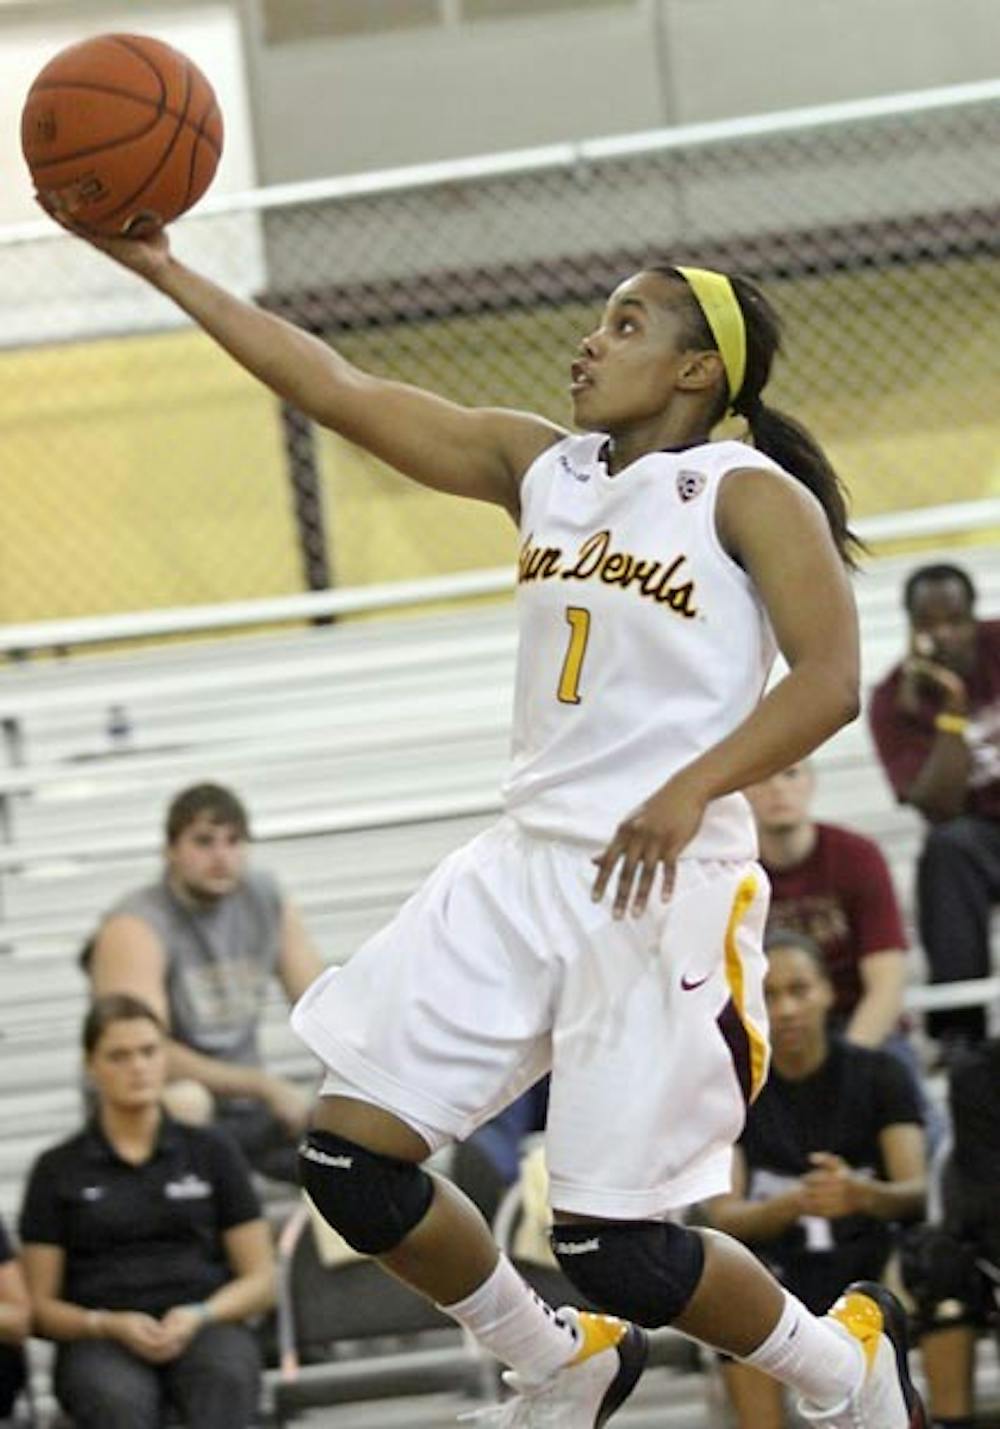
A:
(833, 884)
(936, 723)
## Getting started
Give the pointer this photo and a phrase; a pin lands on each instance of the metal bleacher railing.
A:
(357, 732)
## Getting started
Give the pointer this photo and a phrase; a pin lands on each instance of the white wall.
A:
(325, 107)
(208, 33)
(731, 57)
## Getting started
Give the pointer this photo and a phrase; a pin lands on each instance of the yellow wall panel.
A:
(138, 473)
(150, 471)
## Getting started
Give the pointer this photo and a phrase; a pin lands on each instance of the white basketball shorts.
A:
(501, 967)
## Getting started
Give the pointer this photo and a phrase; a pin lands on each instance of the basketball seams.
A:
(199, 135)
(122, 43)
(99, 91)
(203, 137)
(138, 99)
(119, 139)
(154, 173)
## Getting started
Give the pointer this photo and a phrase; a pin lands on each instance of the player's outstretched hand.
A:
(651, 838)
(145, 249)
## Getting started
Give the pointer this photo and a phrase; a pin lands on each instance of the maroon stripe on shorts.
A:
(730, 1024)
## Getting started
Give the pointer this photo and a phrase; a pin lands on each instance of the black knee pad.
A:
(644, 1271)
(372, 1201)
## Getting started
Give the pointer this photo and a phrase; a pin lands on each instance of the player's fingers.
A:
(647, 873)
(605, 866)
(669, 866)
(632, 857)
(58, 215)
(144, 224)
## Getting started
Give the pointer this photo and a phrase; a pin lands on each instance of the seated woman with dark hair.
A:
(831, 1155)
(144, 1248)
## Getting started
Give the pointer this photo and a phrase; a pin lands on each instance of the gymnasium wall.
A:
(341, 102)
(136, 473)
(149, 471)
(142, 469)
(922, 431)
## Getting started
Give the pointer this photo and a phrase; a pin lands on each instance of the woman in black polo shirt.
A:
(831, 1155)
(144, 1249)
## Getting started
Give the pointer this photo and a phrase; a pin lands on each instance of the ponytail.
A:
(778, 436)
(797, 451)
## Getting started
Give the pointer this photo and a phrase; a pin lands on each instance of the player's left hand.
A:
(651, 838)
(145, 248)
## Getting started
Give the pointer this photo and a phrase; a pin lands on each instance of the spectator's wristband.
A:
(946, 723)
(203, 1310)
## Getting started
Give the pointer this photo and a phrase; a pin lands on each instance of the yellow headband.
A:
(724, 316)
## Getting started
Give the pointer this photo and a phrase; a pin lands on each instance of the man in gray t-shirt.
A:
(200, 946)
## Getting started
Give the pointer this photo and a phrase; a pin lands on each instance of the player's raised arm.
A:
(467, 451)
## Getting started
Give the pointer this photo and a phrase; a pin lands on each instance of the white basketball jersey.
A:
(642, 643)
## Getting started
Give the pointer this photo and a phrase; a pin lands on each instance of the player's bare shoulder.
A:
(753, 498)
(522, 437)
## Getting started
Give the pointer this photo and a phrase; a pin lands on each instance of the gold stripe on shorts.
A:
(757, 1049)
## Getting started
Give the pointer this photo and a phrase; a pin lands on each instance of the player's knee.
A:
(373, 1201)
(646, 1271)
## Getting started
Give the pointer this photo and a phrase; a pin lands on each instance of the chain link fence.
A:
(142, 469)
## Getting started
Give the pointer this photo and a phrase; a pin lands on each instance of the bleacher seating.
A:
(364, 750)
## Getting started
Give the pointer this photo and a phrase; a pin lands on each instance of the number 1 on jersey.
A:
(579, 630)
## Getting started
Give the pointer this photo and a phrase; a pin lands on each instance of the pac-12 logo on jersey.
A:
(690, 484)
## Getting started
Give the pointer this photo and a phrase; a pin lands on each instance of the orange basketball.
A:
(119, 127)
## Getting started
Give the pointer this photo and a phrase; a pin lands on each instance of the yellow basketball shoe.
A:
(886, 1398)
(588, 1390)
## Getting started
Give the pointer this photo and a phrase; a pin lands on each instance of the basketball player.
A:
(657, 573)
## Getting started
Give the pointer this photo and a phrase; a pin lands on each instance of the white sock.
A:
(513, 1323)
(810, 1355)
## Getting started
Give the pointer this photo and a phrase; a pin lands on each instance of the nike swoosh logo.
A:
(689, 985)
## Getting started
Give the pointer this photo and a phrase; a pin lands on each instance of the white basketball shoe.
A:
(873, 1318)
(588, 1390)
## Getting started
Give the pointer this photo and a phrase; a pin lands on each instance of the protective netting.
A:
(142, 469)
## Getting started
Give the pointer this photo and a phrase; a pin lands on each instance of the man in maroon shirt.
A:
(936, 723)
(834, 885)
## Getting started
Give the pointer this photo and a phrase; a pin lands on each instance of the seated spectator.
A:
(144, 1248)
(832, 1154)
(199, 947)
(489, 1161)
(936, 723)
(15, 1324)
(834, 885)
(952, 1266)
